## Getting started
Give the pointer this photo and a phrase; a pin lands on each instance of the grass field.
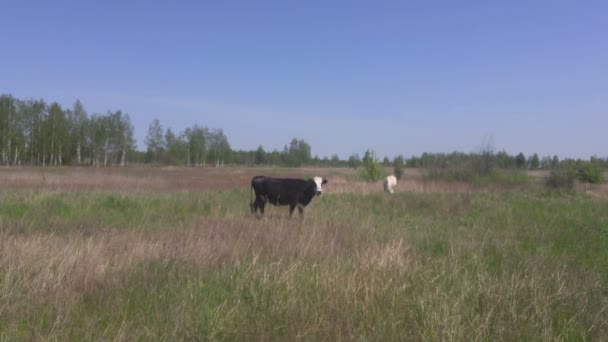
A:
(173, 254)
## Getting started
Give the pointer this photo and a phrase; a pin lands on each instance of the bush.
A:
(561, 179)
(504, 177)
(482, 164)
(372, 171)
(458, 173)
(398, 167)
(467, 173)
(590, 173)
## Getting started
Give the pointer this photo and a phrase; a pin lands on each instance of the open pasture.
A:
(173, 254)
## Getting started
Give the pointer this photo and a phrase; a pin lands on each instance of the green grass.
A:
(504, 178)
(195, 266)
(27, 212)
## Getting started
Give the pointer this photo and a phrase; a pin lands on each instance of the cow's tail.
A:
(251, 198)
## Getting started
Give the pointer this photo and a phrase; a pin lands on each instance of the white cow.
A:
(390, 183)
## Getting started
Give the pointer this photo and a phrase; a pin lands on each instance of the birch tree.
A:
(154, 139)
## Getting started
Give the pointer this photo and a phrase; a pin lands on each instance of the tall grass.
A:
(412, 266)
(504, 178)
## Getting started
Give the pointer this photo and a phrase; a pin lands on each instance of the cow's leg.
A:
(258, 204)
(301, 210)
(292, 207)
(254, 206)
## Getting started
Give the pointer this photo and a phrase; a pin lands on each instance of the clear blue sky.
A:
(398, 77)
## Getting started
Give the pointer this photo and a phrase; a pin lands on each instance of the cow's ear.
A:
(324, 181)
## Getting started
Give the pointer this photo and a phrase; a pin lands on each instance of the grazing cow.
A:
(390, 183)
(284, 191)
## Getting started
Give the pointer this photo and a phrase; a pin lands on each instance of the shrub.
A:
(354, 161)
(372, 171)
(562, 179)
(398, 166)
(482, 164)
(589, 173)
(504, 177)
(456, 173)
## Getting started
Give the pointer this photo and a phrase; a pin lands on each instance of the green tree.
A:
(107, 142)
(398, 164)
(590, 172)
(275, 157)
(126, 137)
(218, 146)
(372, 171)
(561, 179)
(545, 162)
(520, 161)
(534, 162)
(354, 161)
(260, 156)
(554, 162)
(504, 160)
(299, 153)
(335, 160)
(176, 148)
(197, 145)
(386, 161)
(19, 145)
(154, 139)
(11, 130)
(187, 137)
(413, 162)
(97, 137)
(116, 138)
(57, 130)
(36, 112)
(483, 162)
(78, 119)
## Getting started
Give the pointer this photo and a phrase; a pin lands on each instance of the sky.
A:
(396, 77)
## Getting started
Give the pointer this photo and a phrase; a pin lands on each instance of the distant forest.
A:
(33, 132)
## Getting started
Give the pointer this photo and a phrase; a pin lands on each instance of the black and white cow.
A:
(284, 191)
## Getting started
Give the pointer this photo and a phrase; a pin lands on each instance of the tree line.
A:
(199, 146)
(33, 132)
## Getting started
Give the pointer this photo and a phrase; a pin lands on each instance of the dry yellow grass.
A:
(177, 179)
(58, 270)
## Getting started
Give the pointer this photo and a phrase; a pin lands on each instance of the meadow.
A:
(147, 254)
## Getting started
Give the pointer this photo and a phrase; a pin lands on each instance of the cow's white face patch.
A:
(319, 181)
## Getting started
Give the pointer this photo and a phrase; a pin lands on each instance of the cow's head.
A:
(319, 181)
